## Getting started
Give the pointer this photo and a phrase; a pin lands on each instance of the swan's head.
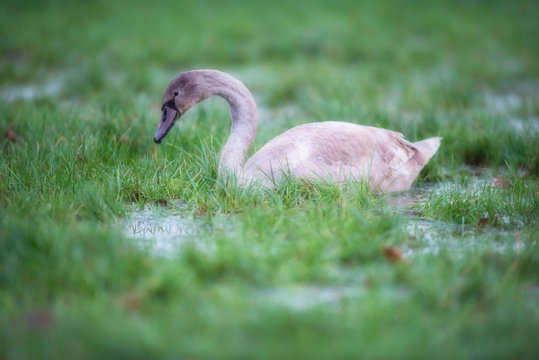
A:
(184, 91)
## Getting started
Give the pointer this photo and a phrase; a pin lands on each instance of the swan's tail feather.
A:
(426, 149)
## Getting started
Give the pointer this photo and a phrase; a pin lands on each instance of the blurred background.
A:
(130, 43)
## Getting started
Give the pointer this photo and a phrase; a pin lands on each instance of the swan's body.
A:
(332, 151)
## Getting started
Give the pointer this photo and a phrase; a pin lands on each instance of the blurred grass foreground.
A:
(112, 248)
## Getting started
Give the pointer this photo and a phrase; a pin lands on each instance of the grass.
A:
(80, 90)
(481, 202)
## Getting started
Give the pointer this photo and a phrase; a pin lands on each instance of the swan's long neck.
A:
(244, 120)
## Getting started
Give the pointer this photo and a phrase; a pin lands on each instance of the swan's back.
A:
(338, 152)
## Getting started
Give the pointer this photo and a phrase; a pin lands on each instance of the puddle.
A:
(477, 179)
(503, 103)
(406, 199)
(31, 92)
(308, 296)
(431, 237)
(304, 297)
(350, 285)
(163, 230)
(528, 126)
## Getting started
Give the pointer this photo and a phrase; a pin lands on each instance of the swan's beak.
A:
(168, 118)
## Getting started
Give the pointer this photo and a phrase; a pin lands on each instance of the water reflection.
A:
(303, 297)
(162, 230)
(431, 237)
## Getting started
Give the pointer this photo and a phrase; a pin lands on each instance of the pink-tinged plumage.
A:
(332, 151)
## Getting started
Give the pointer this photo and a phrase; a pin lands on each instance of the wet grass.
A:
(506, 201)
(308, 270)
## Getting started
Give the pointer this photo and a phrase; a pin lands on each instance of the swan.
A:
(332, 151)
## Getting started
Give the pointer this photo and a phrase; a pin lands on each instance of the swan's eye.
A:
(176, 93)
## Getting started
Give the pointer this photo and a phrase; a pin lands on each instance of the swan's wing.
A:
(334, 147)
(395, 150)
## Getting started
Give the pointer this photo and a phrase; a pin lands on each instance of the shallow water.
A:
(432, 237)
(162, 230)
(348, 284)
(304, 297)
(503, 103)
(33, 91)
(529, 125)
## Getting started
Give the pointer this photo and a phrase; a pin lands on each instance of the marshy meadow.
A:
(114, 247)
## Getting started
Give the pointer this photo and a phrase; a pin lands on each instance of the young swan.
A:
(332, 151)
